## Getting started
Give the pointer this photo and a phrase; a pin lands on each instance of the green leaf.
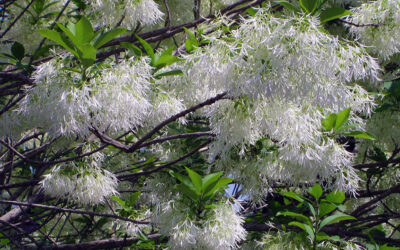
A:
(84, 31)
(360, 134)
(4, 241)
(321, 236)
(297, 216)
(183, 179)
(342, 117)
(174, 72)
(71, 69)
(166, 58)
(377, 154)
(220, 185)
(133, 198)
(316, 191)
(149, 50)
(326, 208)
(119, 201)
(210, 180)
(191, 43)
(56, 37)
(386, 247)
(336, 197)
(295, 196)
(133, 48)
(188, 192)
(80, 4)
(108, 36)
(306, 228)
(18, 50)
(196, 179)
(191, 34)
(251, 11)
(393, 87)
(288, 5)
(329, 123)
(310, 207)
(335, 218)
(333, 13)
(309, 6)
(348, 126)
(87, 54)
(70, 32)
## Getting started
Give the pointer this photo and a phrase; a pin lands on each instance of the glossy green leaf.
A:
(87, 54)
(188, 192)
(336, 197)
(184, 179)
(393, 87)
(18, 50)
(347, 127)
(386, 247)
(108, 36)
(297, 216)
(326, 208)
(310, 207)
(329, 123)
(119, 201)
(196, 179)
(69, 31)
(165, 58)
(133, 198)
(84, 31)
(341, 118)
(251, 11)
(309, 6)
(210, 180)
(360, 134)
(133, 48)
(56, 37)
(288, 5)
(295, 196)
(333, 13)
(174, 72)
(321, 236)
(377, 154)
(306, 228)
(189, 45)
(316, 191)
(335, 218)
(71, 69)
(149, 50)
(219, 186)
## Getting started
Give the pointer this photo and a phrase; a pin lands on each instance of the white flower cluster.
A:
(129, 12)
(220, 229)
(384, 39)
(86, 186)
(62, 104)
(287, 74)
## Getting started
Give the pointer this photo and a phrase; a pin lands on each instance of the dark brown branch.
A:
(134, 175)
(358, 25)
(210, 101)
(75, 211)
(359, 210)
(377, 164)
(100, 244)
(16, 19)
